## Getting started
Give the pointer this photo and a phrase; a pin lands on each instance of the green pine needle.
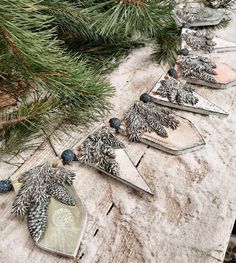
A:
(63, 88)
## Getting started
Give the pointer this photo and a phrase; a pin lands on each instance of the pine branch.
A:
(127, 17)
(138, 3)
(57, 87)
(167, 45)
(53, 51)
(13, 48)
(70, 18)
(103, 54)
(113, 24)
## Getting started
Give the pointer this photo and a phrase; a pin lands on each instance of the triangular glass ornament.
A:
(204, 71)
(56, 225)
(158, 127)
(103, 151)
(195, 15)
(177, 94)
(128, 174)
(204, 42)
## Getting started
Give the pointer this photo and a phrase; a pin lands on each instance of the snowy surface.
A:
(190, 217)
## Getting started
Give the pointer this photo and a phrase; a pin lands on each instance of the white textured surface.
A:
(189, 219)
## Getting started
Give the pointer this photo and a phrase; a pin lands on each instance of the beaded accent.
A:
(5, 186)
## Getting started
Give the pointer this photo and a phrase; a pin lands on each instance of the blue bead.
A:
(68, 156)
(5, 186)
(115, 123)
(184, 51)
(173, 73)
(145, 98)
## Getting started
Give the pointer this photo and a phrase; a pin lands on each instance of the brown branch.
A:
(16, 120)
(6, 119)
(16, 88)
(63, 11)
(45, 77)
(6, 100)
(138, 3)
(53, 75)
(14, 48)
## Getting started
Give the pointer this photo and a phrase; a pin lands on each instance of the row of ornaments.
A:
(45, 195)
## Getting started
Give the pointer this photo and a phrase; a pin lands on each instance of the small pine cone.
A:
(116, 144)
(108, 150)
(109, 139)
(194, 100)
(172, 95)
(163, 119)
(208, 61)
(211, 43)
(180, 98)
(206, 77)
(209, 69)
(172, 122)
(158, 127)
(188, 88)
(162, 90)
(205, 59)
(165, 111)
(37, 220)
(61, 176)
(112, 167)
(209, 49)
(190, 98)
(59, 193)
(134, 135)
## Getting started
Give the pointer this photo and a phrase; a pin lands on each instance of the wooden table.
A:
(190, 217)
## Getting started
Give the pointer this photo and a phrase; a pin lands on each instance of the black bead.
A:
(172, 73)
(68, 156)
(145, 98)
(185, 25)
(184, 51)
(5, 186)
(115, 123)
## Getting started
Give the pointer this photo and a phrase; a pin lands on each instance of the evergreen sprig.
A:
(167, 45)
(115, 27)
(130, 16)
(57, 87)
